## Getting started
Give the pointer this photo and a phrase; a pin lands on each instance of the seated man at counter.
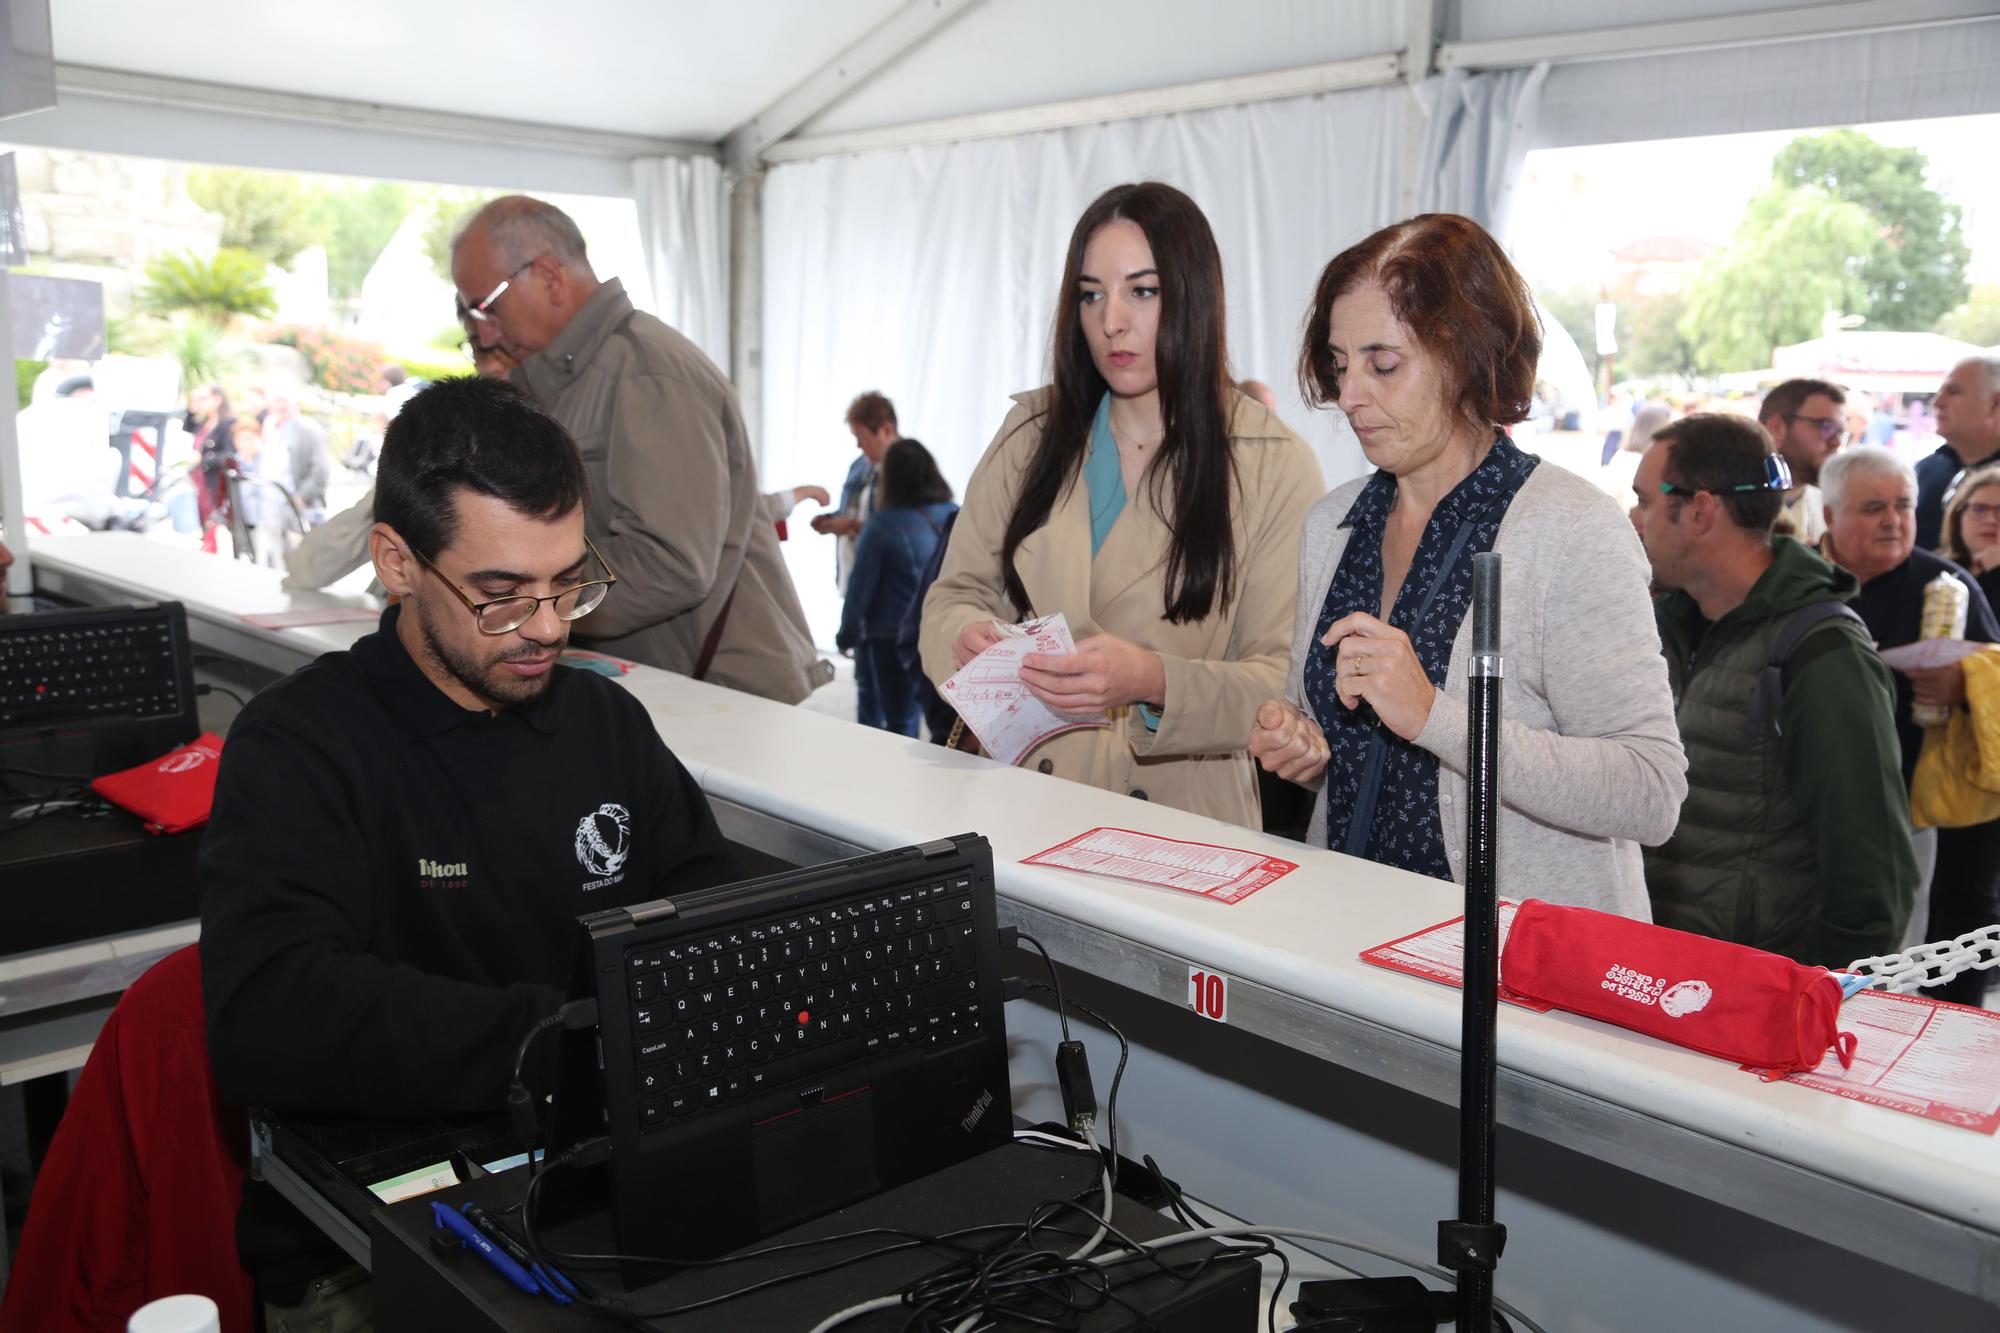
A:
(1795, 837)
(404, 833)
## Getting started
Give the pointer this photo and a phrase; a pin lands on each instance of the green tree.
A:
(25, 373)
(1914, 265)
(268, 213)
(449, 210)
(232, 283)
(1650, 340)
(206, 352)
(357, 219)
(1978, 320)
(1796, 254)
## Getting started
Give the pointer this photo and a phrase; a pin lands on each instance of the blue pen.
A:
(462, 1228)
(559, 1288)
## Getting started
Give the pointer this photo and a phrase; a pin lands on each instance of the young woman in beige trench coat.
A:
(1181, 601)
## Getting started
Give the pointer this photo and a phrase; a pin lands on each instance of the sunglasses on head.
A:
(1777, 477)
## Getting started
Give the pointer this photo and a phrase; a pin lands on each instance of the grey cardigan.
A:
(1590, 756)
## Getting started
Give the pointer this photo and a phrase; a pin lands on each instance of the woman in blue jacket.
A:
(910, 513)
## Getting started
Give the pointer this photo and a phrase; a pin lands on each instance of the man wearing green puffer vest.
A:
(1795, 836)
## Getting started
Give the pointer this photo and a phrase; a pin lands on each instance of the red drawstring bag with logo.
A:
(1756, 1008)
(172, 793)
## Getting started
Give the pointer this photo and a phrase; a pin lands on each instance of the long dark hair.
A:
(910, 478)
(1192, 355)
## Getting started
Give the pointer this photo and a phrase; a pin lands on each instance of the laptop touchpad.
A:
(815, 1160)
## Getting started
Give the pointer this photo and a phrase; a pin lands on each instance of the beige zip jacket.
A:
(674, 503)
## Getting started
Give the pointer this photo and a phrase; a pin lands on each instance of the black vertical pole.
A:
(1475, 1241)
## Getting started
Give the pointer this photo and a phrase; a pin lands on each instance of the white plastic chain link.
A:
(1911, 970)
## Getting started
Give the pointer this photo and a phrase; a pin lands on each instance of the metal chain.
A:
(1931, 964)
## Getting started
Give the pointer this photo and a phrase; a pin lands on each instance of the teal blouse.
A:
(1103, 478)
(1104, 483)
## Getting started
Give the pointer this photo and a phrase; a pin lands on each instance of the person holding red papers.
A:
(1153, 504)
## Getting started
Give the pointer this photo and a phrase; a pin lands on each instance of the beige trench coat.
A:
(1218, 670)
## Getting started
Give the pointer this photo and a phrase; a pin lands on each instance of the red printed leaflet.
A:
(1226, 874)
(1437, 953)
(1918, 1056)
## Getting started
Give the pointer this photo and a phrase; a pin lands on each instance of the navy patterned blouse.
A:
(1381, 790)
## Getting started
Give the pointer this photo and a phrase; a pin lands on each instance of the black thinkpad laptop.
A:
(771, 1050)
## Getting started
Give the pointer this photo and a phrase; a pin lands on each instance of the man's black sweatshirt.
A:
(390, 884)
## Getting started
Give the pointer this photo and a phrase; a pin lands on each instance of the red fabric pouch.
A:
(1756, 1008)
(172, 793)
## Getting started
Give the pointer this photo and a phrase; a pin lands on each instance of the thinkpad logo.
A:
(604, 844)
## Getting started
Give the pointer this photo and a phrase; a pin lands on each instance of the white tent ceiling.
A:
(673, 69)
(561, 98)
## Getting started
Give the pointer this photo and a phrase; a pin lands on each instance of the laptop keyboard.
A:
(749, 1010)
(55, 672)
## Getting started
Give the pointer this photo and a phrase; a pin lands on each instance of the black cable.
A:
(601, 1304)
(53, 804)
(1055, 981)
(1153, 1260)
(1118, 1077)
(1008, 1275)
(581, 1014)
(207, 688)
(1183, 1211)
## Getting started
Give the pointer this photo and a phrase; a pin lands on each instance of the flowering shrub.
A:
(337, 364)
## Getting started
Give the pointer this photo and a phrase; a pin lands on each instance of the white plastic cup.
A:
(176, 1314)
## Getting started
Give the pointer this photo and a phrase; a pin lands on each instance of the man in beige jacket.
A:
(674, 503)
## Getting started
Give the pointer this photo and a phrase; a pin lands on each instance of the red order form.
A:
(1226, 874)
(1919, 1056)
(1437, 953)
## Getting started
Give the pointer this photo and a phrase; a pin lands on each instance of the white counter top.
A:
(1300, 935)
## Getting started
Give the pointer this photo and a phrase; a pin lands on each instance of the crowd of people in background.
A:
(1789, 558)
(1700, 725)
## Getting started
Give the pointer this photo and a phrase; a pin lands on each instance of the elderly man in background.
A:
(295, 446)
(674, 503)
(339, 546)
(1968, 416)
(1795, 836)
(1871, 503)
(1806, 421)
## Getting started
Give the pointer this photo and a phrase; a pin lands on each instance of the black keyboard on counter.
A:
(63, 667)
(94, 690)
(765, 1005)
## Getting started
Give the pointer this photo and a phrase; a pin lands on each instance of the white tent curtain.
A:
(1478, 130)
(930, 273)
(684, 231)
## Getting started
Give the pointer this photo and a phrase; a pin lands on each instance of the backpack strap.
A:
(1767, 699)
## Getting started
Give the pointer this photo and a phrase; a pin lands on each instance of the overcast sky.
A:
(1579, 204)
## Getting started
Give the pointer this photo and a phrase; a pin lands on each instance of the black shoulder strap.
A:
(1768, 698)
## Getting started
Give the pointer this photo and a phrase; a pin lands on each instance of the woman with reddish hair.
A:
(1425, 336)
